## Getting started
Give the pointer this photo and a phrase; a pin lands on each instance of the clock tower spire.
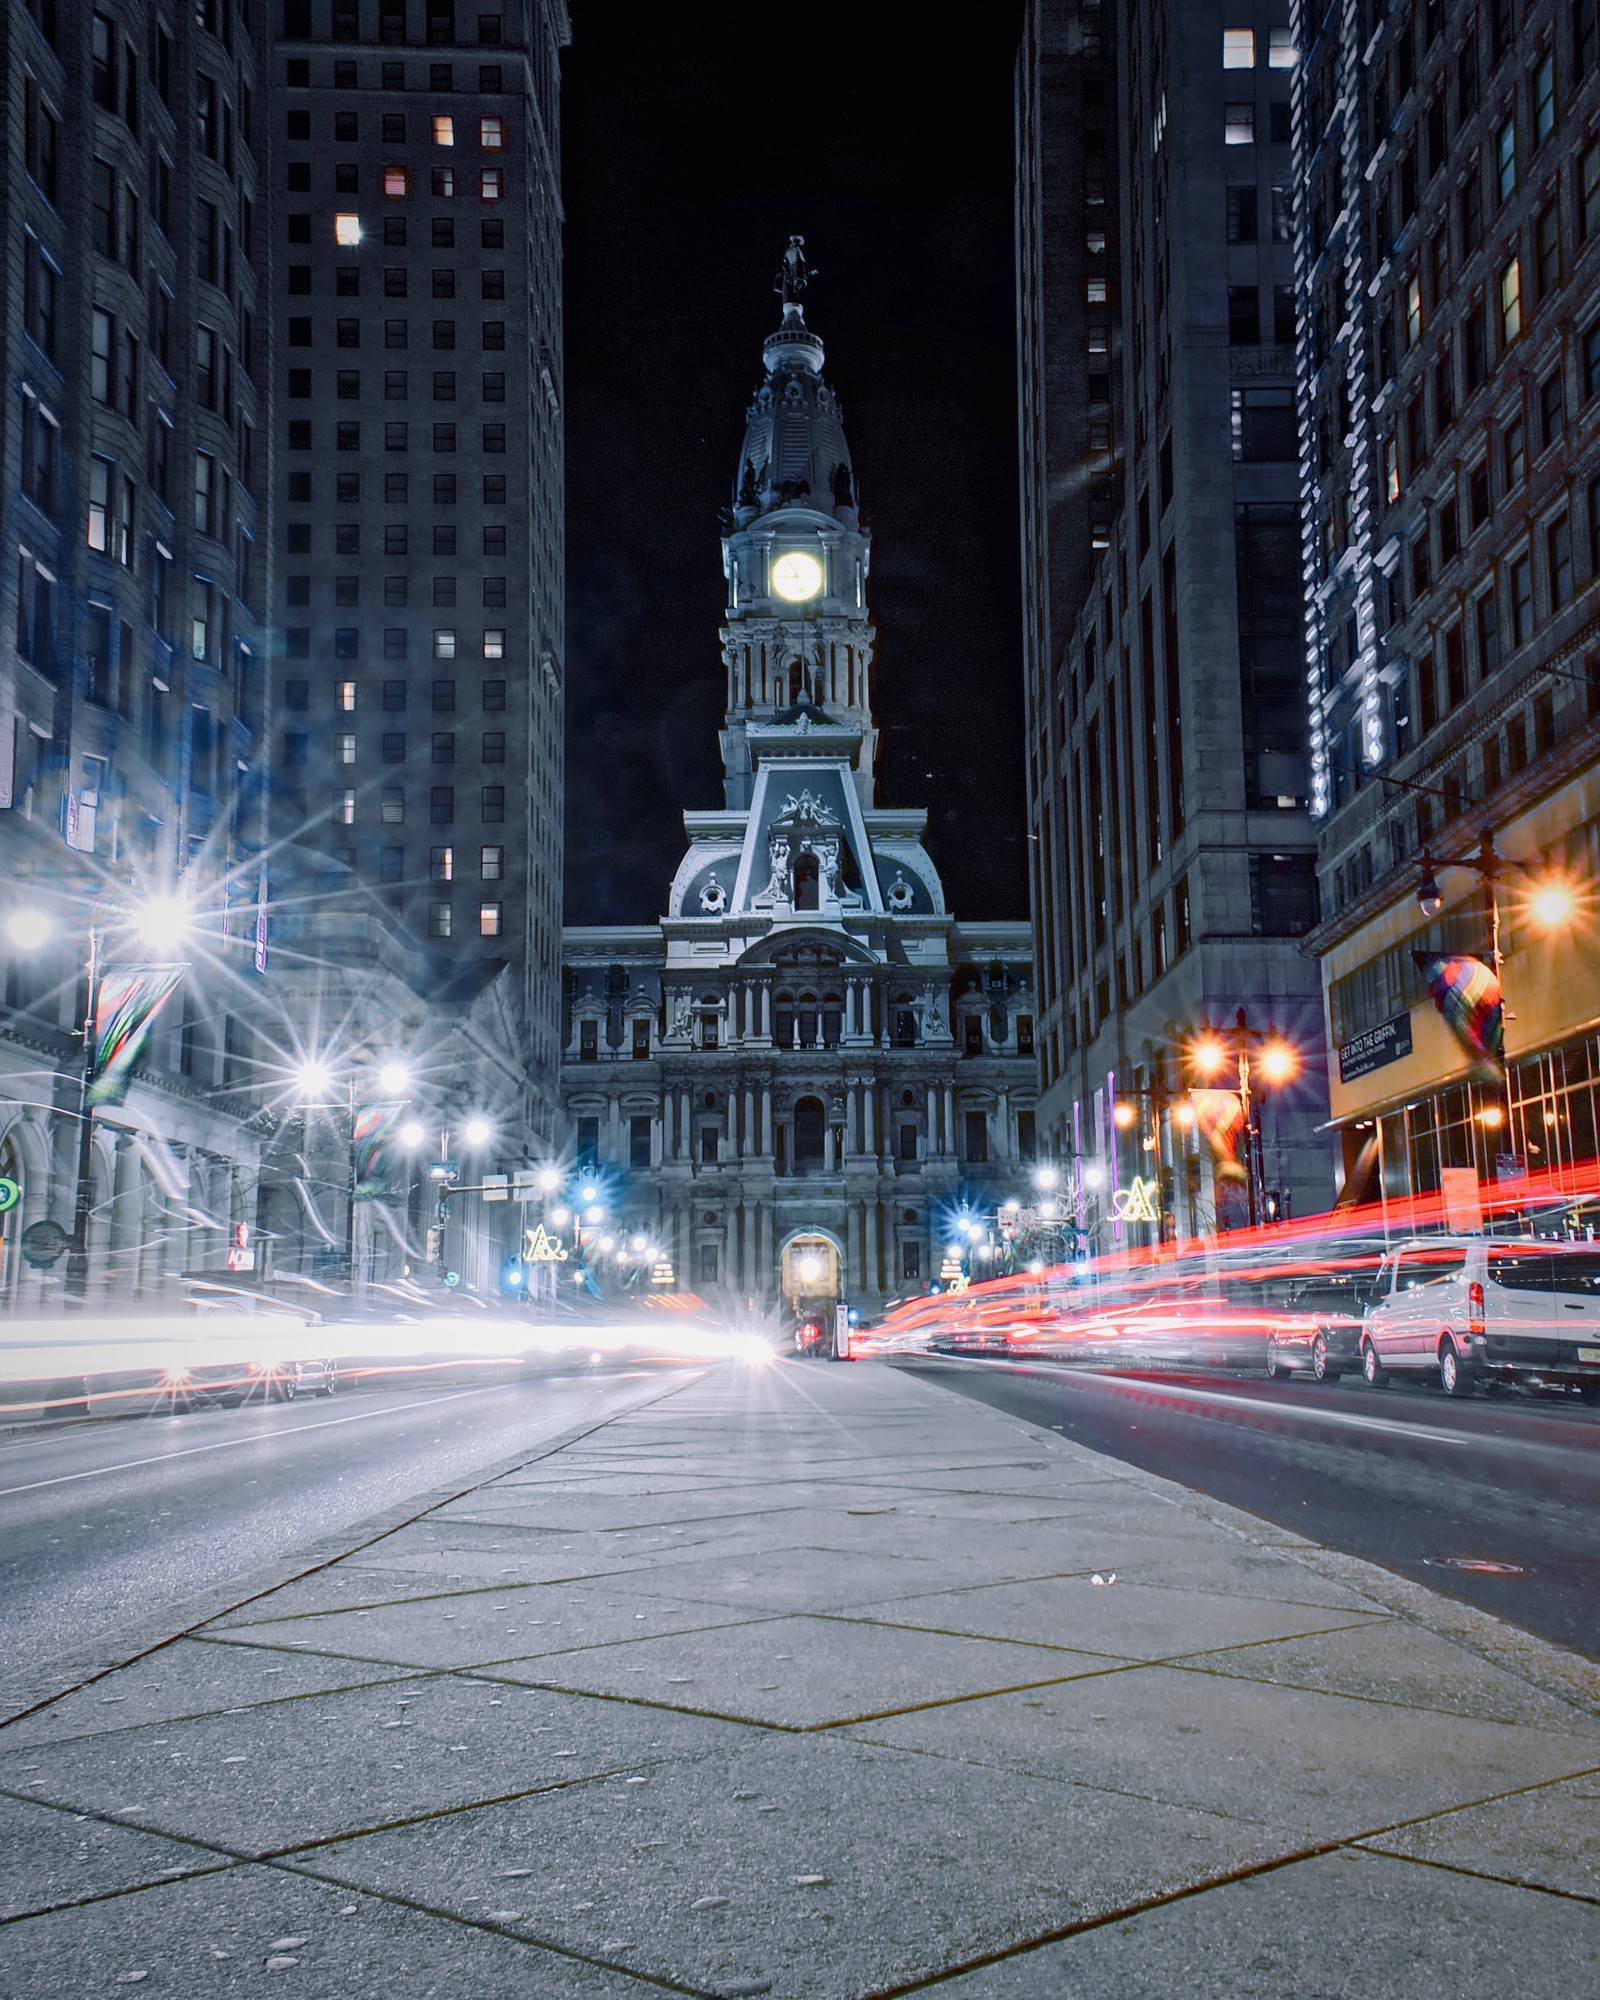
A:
(797, 640)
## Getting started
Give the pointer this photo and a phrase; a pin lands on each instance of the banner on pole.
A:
(127, 1004)
(374, 1126)
(1220, 1116)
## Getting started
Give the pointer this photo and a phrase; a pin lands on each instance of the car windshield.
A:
(1572, 1271)
(1331, 1297)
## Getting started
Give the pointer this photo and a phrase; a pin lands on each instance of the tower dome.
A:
(794, 445)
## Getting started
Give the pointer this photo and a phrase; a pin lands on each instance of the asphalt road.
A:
(1399, 1475)
(104, 1524)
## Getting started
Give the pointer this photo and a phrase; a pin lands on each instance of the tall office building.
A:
(1173, 864)
(1448, 261)
(419, 596)
(134, 468)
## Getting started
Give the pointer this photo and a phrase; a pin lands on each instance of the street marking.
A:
(236, 1444)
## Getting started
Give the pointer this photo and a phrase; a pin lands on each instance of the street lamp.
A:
(319, 1085)
(159, 923)
(1277, 1062)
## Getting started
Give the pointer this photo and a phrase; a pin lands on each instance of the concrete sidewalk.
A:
(817, 1681)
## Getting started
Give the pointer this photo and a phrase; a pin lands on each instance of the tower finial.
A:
(794, 275)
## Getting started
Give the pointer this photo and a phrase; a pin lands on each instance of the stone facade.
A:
(797, 1077)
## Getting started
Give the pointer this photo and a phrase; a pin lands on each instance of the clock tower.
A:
(793, 1084)
(797, 642)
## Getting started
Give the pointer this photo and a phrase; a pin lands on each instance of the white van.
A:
(1477, 1309)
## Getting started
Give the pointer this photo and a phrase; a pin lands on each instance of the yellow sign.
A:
(1136, 1202)
(538, 1248)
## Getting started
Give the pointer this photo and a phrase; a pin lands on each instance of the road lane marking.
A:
(1214, 1401)
(234, 1444)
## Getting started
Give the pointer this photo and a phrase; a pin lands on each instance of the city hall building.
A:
(794, 1080)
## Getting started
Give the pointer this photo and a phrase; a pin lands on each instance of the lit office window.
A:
(346, 697)
(489, 918)
(444, 130)
(396, 181)
(1281, 51)
(347, 230)
(1239, 125)
(494, 644)
(491, 134)
(1238, 48)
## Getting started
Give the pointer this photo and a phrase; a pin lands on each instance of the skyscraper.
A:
(799, 1079)
(419, 600)
(135, 463)
(1173, 864)
(1448, 264)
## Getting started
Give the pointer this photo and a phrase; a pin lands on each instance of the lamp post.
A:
(161, 923)
(1251, 1050)
(315, 1080)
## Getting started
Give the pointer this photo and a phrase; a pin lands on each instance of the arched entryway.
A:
(810, 1272)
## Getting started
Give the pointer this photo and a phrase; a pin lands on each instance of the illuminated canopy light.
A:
(28, 929)
(1551, 905)
(1123, 1114)
(810, 1268)
(1208, 1055)
(1491, 1117)
(796, 576)
(315, 1079)
(161, 922)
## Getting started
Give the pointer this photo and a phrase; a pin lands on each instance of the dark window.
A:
(977, 1135)
(1241, 215)
(1244, 316)
(1283, 894)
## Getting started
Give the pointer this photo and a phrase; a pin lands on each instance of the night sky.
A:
(696, 138)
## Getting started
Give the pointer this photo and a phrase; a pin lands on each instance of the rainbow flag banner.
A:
(1220, 1116)
(374, 1125)
(1467, 993)
(126, 1004)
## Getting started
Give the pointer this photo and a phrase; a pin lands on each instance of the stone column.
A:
(766, 1011)
(748, 1134)
(666, 1125)
(950, 1145)
(685, 1127)
(852, 1138)
(869, 1112)
(614, 1129)
(766, 1121)
(1003, 1135)
(933, 1122)
(874, 1260)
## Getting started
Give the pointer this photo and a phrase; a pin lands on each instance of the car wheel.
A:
(1373, 1372)
(1319, 1360)
(1455, 1375)
(281, 1388)
(1277, 1367)
(1590, 1392)
(330, 1378)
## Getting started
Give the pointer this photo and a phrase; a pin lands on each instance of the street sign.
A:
(1388, 1043)
(841, 1333)
(10, 1194)
(495, 1187)
(44, 1243)
(540, 1248)
(524, 1187)
(452, 1278)
(240, 1259)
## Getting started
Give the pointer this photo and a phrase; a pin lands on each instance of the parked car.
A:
(1477, 1310)
(808, 1336)
(1320, 1327)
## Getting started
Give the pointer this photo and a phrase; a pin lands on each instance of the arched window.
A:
(783, 1020)
(809, 1129)
(808, 1020)
(832, 1020)
(807, 882)
(905, 1022)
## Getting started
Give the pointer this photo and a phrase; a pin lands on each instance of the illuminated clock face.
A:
(797, 576)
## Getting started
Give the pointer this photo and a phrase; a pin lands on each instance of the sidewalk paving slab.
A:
(797, 1681)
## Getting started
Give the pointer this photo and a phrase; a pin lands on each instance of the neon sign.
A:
(1136, 1202)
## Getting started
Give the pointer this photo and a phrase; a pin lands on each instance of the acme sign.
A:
(1136, 1202)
